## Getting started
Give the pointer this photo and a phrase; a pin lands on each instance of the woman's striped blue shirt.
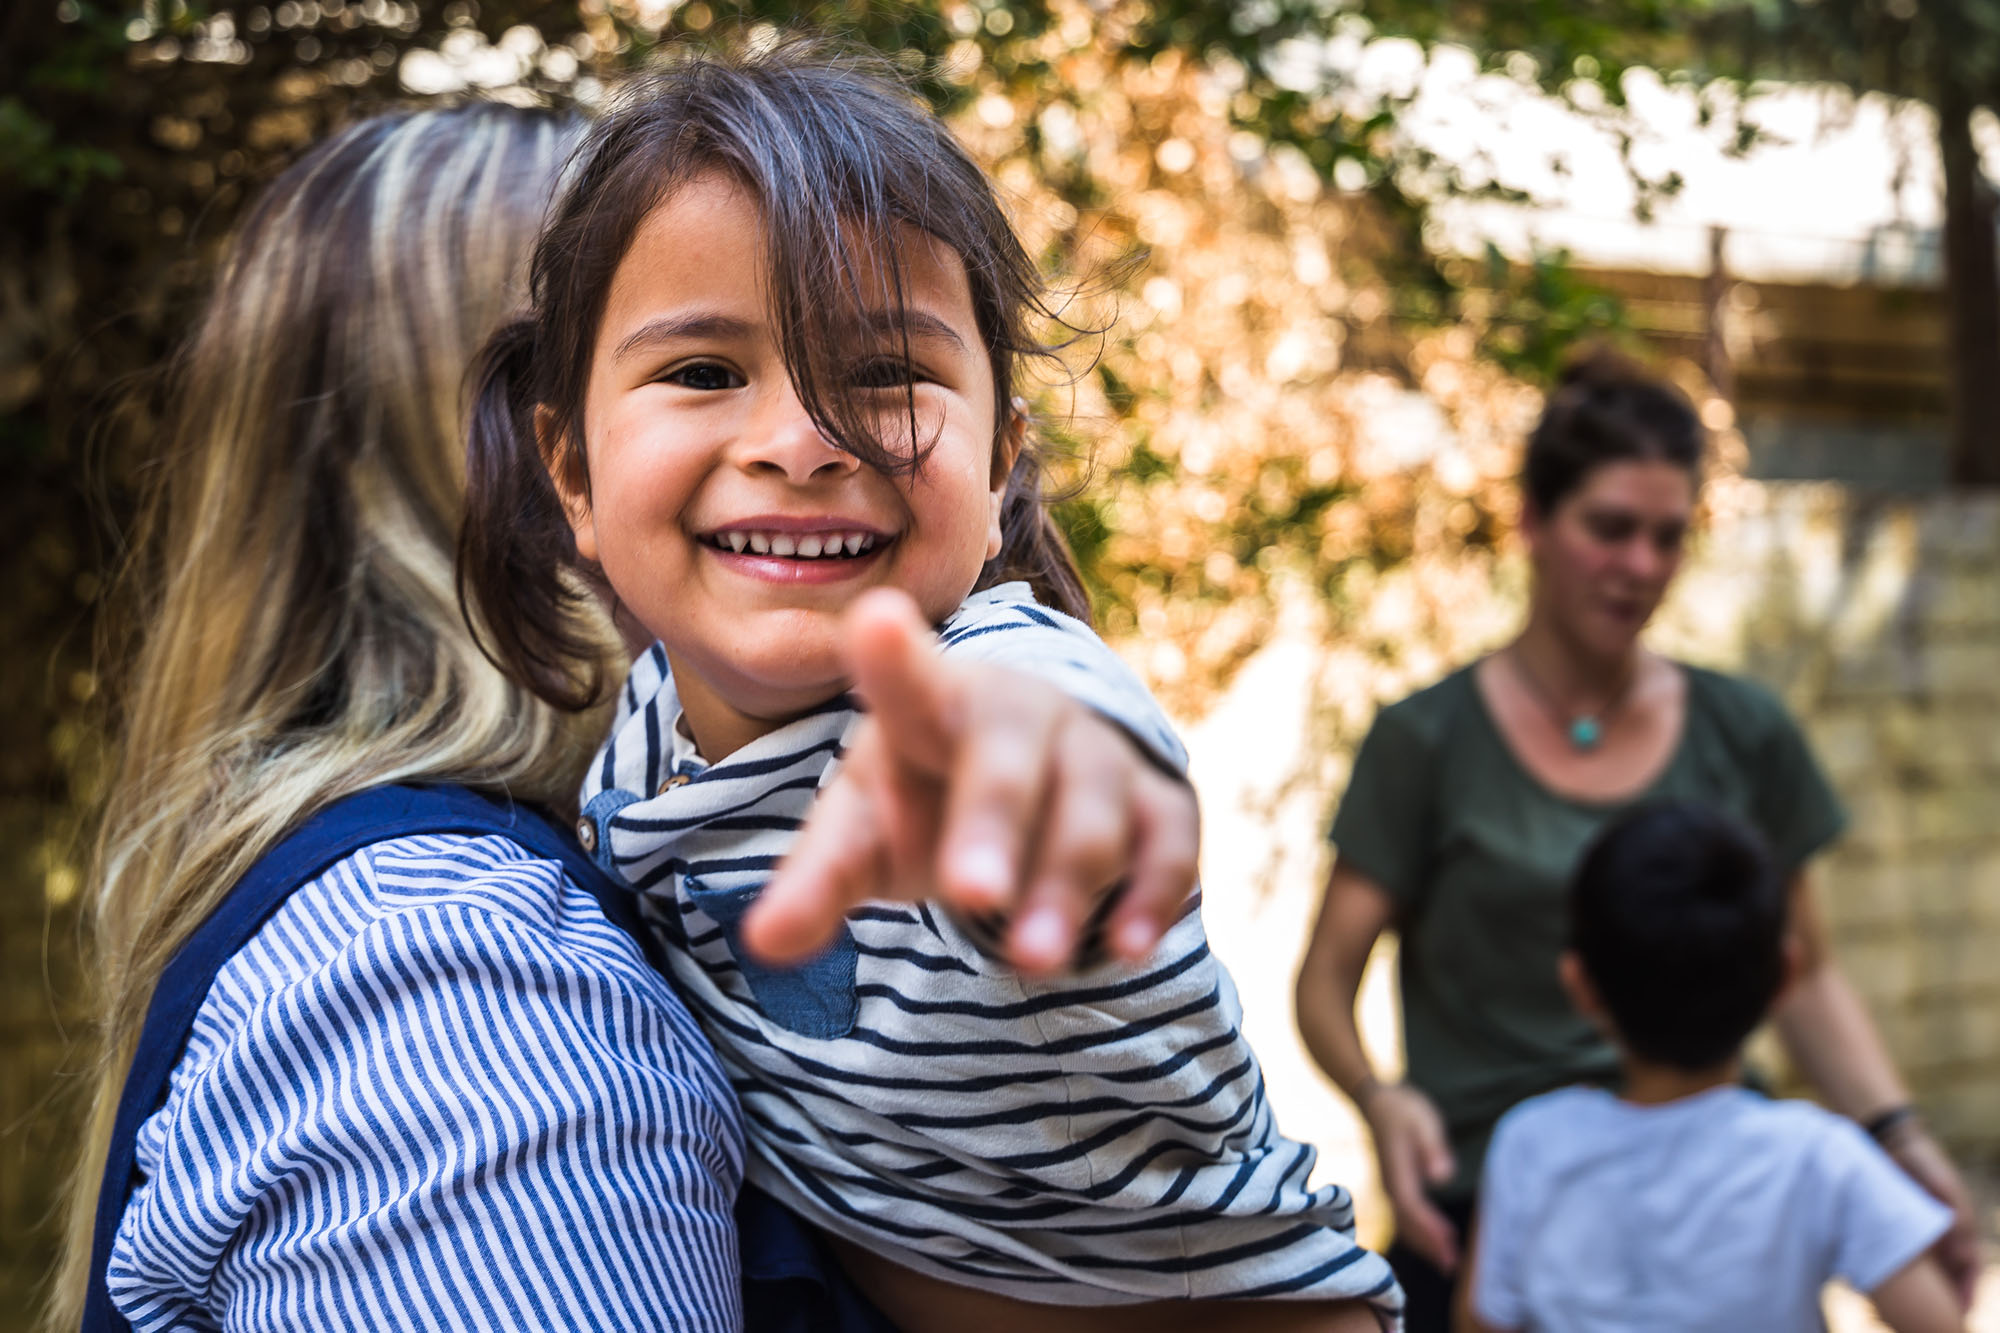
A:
(438, 1090)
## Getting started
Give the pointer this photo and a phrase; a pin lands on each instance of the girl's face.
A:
(722, 517)
(1605, 556)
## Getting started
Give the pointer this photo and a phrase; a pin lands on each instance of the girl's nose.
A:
(788, 441)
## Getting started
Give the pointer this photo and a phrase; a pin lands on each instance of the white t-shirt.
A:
(1724, 1210)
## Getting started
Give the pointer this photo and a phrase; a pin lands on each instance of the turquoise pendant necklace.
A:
(1585, 730)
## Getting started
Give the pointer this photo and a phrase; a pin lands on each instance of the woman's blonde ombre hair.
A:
(300, 636)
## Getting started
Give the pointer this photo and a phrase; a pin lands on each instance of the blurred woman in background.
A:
(1470, 802)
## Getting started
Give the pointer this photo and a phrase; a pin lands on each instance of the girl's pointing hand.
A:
(991, 791)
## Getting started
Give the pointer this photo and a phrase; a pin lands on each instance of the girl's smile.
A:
(797, 550)
(722, 515)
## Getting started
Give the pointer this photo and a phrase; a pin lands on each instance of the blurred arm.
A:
(1919, 1299)
(1410, 1142)
(1825, 1027)
(1830, 1037)
(1352, 916)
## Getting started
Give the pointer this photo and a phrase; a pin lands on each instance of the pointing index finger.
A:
(899, 674)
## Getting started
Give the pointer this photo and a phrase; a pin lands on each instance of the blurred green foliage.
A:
(131, 132)
(1540, 311)
(1942, 53)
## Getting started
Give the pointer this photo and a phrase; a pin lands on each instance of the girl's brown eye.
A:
(705, 376)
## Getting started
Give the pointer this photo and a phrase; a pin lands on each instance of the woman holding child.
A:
(776, 323)
(391, 1088)
(393, 1051)
(1471, 802)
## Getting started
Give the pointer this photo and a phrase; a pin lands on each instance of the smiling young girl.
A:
(769, 370)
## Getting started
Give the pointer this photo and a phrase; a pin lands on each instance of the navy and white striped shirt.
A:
(438, 1090)
(1094, 1140)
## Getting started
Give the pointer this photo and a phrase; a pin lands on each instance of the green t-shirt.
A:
(1477, 856)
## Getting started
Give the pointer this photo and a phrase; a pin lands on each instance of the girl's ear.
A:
(1007, 446)
(566, 474)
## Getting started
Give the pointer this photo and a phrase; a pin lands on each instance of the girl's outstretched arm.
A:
(991, 790)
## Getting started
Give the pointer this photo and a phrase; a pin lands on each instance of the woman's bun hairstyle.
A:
(1606, 408)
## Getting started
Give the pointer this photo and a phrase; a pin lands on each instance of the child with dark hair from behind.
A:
(1687, 1201)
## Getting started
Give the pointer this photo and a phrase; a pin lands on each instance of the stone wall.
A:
(1879, 621)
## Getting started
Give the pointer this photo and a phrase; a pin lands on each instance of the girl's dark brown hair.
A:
(839, 156)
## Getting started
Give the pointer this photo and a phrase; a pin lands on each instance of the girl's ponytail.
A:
(519, 584)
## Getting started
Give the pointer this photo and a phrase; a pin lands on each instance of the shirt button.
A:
(586, 833)
(677, 780)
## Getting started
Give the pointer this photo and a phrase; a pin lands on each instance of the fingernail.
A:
(1135, 939)
(981, 871)
(1042, 937)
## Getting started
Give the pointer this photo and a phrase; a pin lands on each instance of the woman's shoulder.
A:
(439, 951)
(1742, 708)
(435, 999)
(435, 886)
(449, 913)
(1429, 715)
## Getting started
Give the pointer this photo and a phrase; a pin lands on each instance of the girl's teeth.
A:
(813, 546)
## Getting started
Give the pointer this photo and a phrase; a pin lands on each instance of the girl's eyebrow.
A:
(918, 324)
(668, 328)
(709, 324)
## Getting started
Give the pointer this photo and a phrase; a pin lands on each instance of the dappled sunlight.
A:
(1286, 409)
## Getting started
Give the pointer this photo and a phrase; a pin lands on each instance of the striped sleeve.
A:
(438, 1091)
(1004, 626)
